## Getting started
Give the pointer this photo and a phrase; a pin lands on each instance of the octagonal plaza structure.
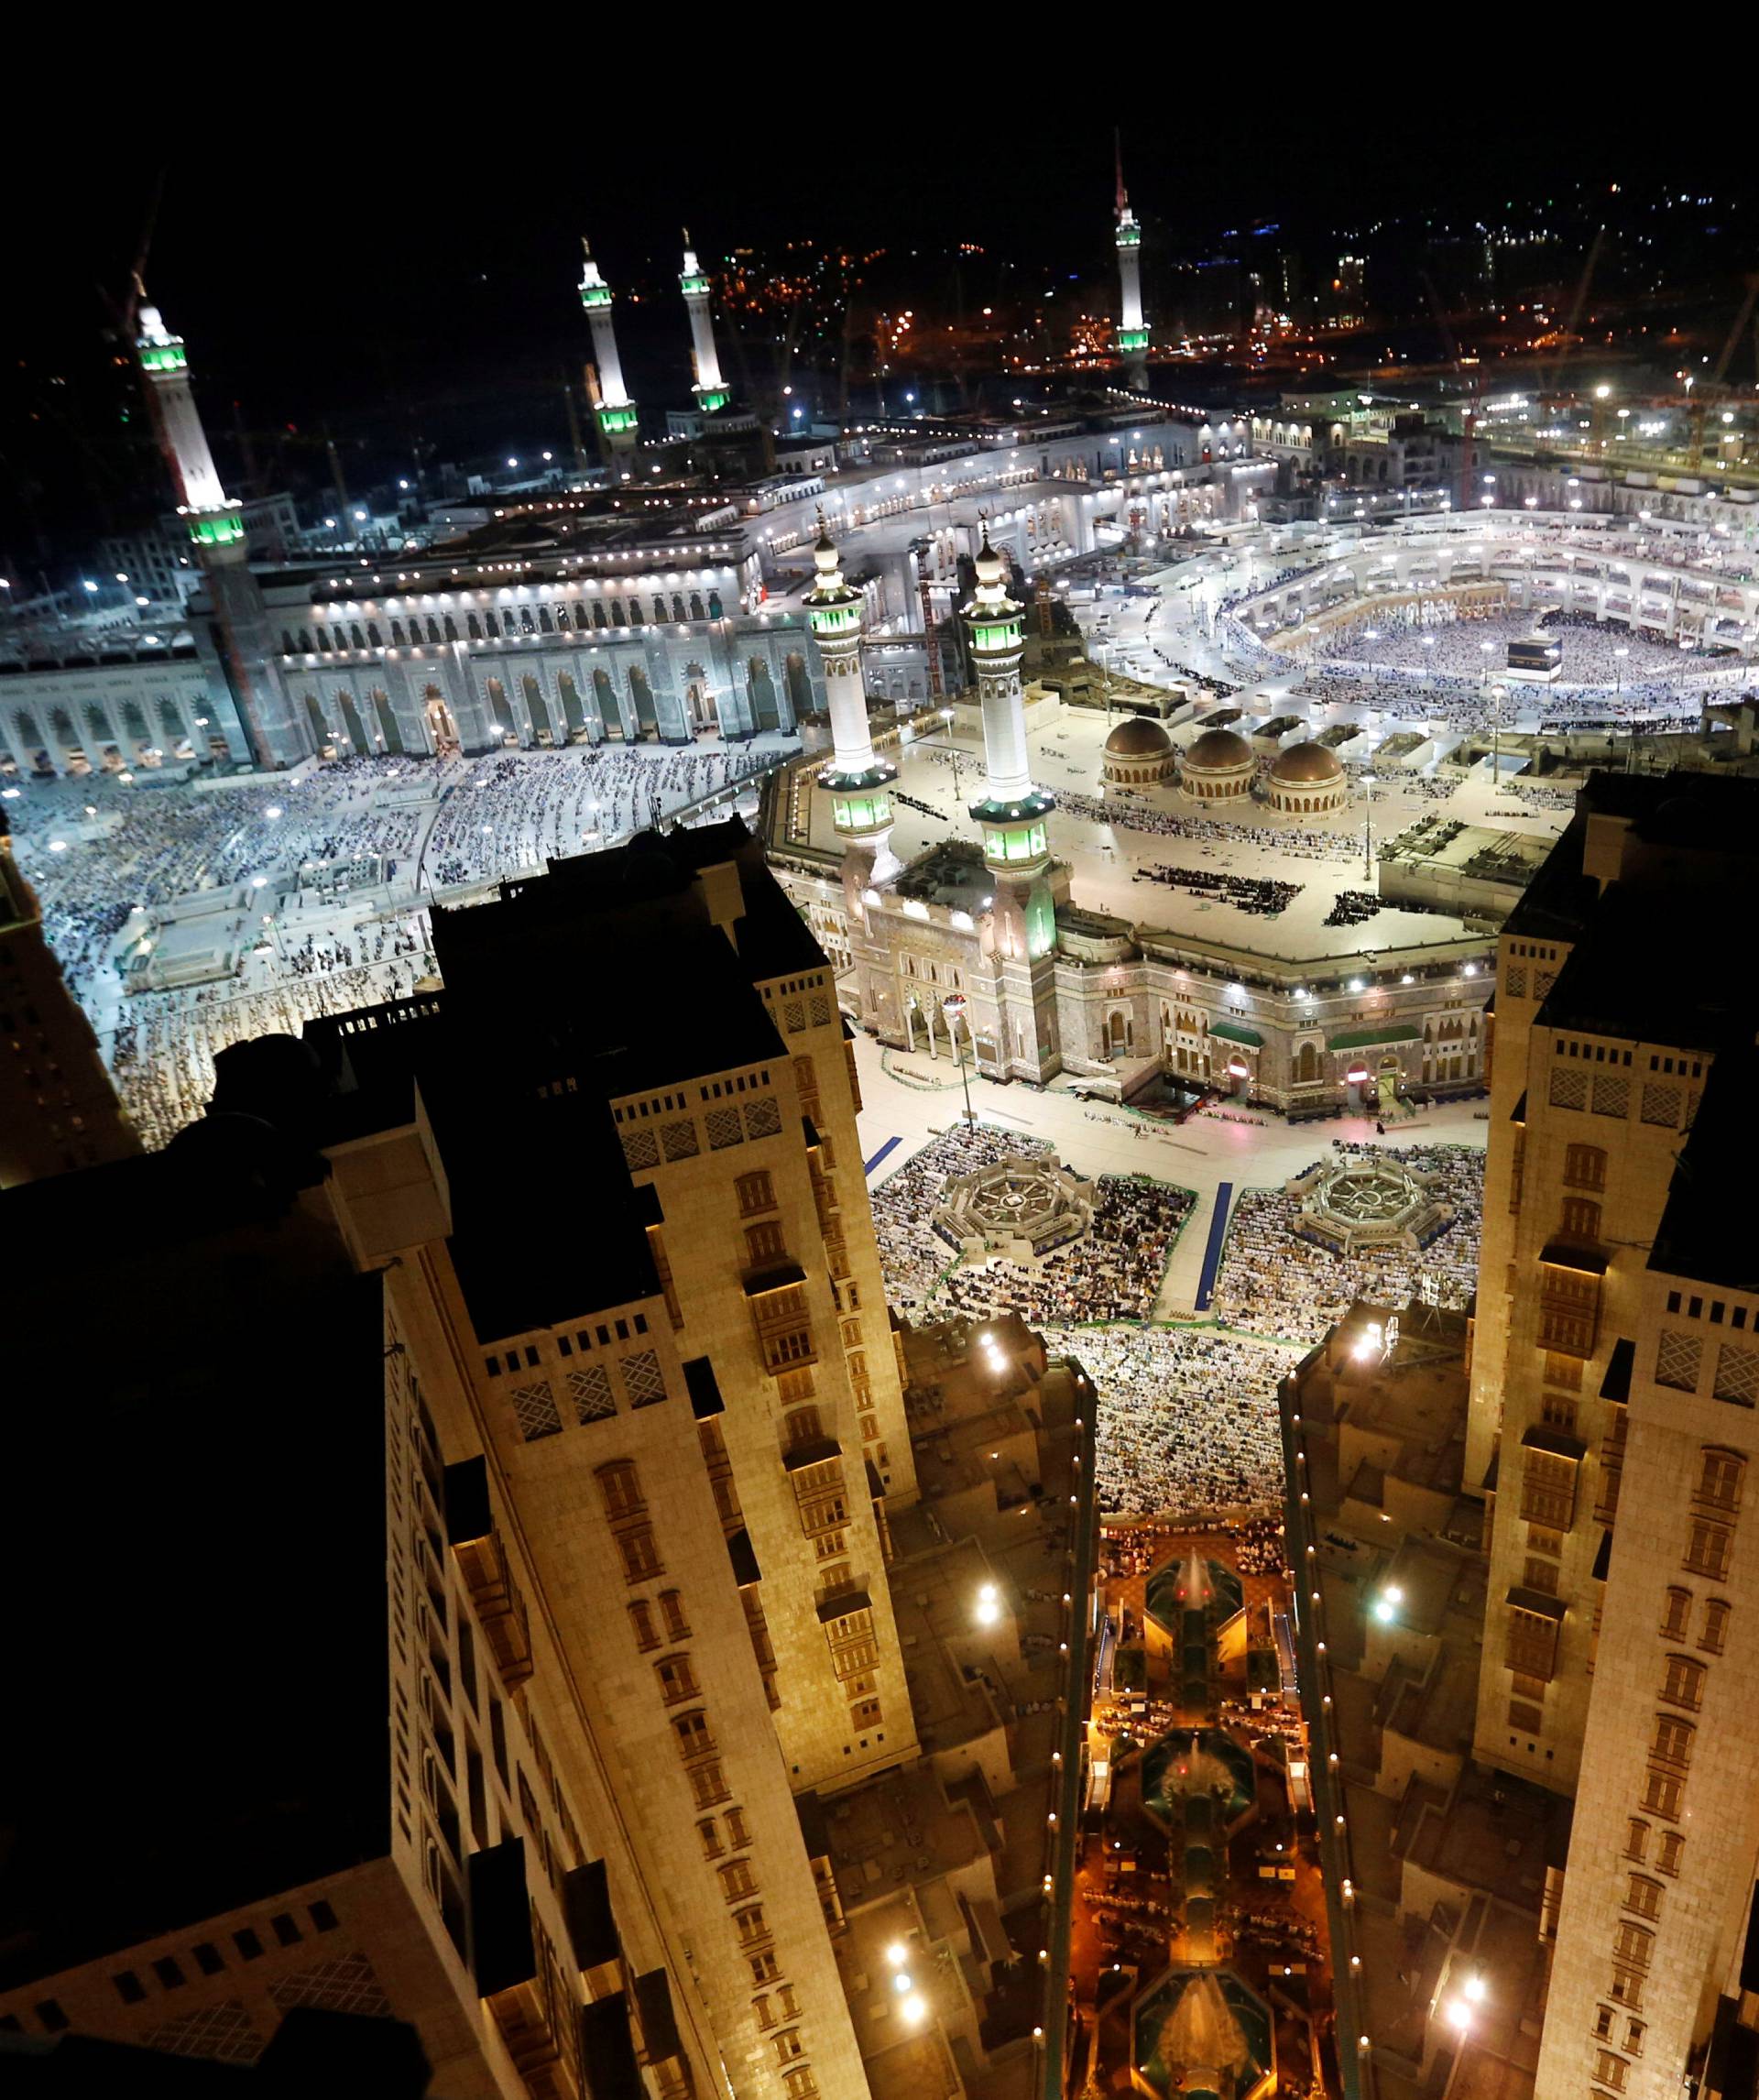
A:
(1197, 2031)
(1357, 1202)
(1016, 1209)
(1195, 1613)
(1199, 1776)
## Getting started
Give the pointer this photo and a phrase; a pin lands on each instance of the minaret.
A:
(1132, 325)
(710, 389)
(856, 778)
(241, 631)
(617, 417)
(1013, 812)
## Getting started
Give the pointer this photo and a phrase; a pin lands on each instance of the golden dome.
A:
(1138, 737)
(1217, 751)
(1308, 765)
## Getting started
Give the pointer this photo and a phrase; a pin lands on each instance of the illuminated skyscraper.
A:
(238, 631)
(710, 389)
(1614, 1378)
(1132, 325)
(618, 419)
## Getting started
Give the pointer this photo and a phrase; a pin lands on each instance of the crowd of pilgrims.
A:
(1351, 907)
(1112, 1273)
(1596, 687)
(94, 851)
(1259, 896)
(1187, 1418)
(1141, 816)
(1273, 1281)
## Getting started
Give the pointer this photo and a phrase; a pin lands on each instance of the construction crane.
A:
(1468, 412)
(1699, 401)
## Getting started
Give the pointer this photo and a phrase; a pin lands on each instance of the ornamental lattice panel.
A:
(763, 1119)
(640, 1148)
(642, 1378)
(534, 1407)
(223, 2032)
(679, 1140)
(1737, 1374)
(820, 1008)
(1568, 1090)
(1676, 1361)
(1661, 1106)
(590, 1390)
(724, 1128)
(344, 1985)
(1612, 1097)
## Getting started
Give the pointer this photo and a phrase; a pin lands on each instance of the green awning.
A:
(1234, 1033)
(1365, 1038)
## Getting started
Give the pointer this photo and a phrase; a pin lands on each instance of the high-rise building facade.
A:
(1615, 1375)
(58, 1107)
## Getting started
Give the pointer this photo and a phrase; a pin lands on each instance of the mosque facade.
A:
(977, 948)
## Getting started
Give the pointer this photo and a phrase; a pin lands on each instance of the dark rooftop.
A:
(198, 1512)
(1706, 1231)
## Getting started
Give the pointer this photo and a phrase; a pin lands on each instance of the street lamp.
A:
(953, 1006)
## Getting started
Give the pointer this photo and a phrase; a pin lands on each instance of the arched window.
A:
(1673, 1743)
(1581, 1218)
(472, 626)
(1642, 1896)
(434, 631)
(802, 1426)
(1682, 1683)
(1715, 1637)
(1584, 1166)
(1677, 1614)
(397, 633)
(1718, 1483)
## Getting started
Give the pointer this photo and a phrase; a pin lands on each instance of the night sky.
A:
(419, 262)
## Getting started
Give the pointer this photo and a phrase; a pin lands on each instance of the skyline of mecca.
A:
(894, 1015)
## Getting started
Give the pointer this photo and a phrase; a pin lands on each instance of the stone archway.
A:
(441, 728)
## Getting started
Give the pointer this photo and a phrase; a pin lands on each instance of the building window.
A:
(1673, 1743)
(1672, 1843)
(677, 1680)
(1715, 1637)
(1642, 1896)
(671, 1607)
(1683, 1683)
(691, 1730)
(1584, 1166)
(711, 1837)
(621, 1487)
(1707, 1549)
(764, 1242)
(1582, 1219)
(736, 1880)
(641, 1620)
(1636, 1839)
(1609, 2069)
(1718, 1483)
(755, 1192)
(1677, 1614)
(1661, 1792)
(640, 1554)
(1633, 1944)
(1627, 1985)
